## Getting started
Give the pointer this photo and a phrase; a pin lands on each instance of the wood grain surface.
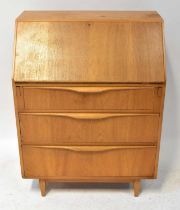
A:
(57, 129)
(48, 16)
(89, 52)
(129, 99)
(62, 162)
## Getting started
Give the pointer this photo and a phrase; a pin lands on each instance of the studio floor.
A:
(20, 194)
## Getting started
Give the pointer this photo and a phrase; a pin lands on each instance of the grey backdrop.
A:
(169, 10)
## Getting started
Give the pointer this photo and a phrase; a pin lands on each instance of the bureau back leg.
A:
(42, 186)
(137, 187)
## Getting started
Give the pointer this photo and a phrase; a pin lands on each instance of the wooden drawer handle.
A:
(92, 148)
(90, 116)
(91, 90)
(82, 116)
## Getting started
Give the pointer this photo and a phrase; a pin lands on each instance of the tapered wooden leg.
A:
(42, 186)
(137, 187)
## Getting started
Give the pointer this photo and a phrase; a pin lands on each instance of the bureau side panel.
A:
(160, 130)
(15, 93)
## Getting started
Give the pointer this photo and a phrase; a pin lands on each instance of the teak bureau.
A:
(89, 91)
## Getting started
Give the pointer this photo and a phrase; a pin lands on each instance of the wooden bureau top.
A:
(141, 16)
(89, 47)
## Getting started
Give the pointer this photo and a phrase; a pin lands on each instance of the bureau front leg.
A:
(137, 187)
(42, 186)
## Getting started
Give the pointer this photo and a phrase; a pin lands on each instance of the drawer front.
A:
(89, 98)
(88, 161)
(79, 128)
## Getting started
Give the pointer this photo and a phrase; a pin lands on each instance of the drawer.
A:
(89, 98)
(92, 161)
(88, 128)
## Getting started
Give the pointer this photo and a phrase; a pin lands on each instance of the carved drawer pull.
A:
(92, 148)
(91, 90)
(87, 116)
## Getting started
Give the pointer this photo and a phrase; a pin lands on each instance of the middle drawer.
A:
(88, 128)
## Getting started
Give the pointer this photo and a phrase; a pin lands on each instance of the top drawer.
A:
(89, 98)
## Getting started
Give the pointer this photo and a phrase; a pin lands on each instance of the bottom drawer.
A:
(88, 161)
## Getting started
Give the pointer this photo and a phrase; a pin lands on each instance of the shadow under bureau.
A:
(89, 91)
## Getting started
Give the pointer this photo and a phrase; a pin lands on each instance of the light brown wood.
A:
(16, 105)
(57, 162)
(71, 51)
(104, 179)
(69, 84)
(42, 186)
(137, 187)
(89, 91)
(92, 148)
(48, 16)
(160, 129)
(39, 128)
(134, 99)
